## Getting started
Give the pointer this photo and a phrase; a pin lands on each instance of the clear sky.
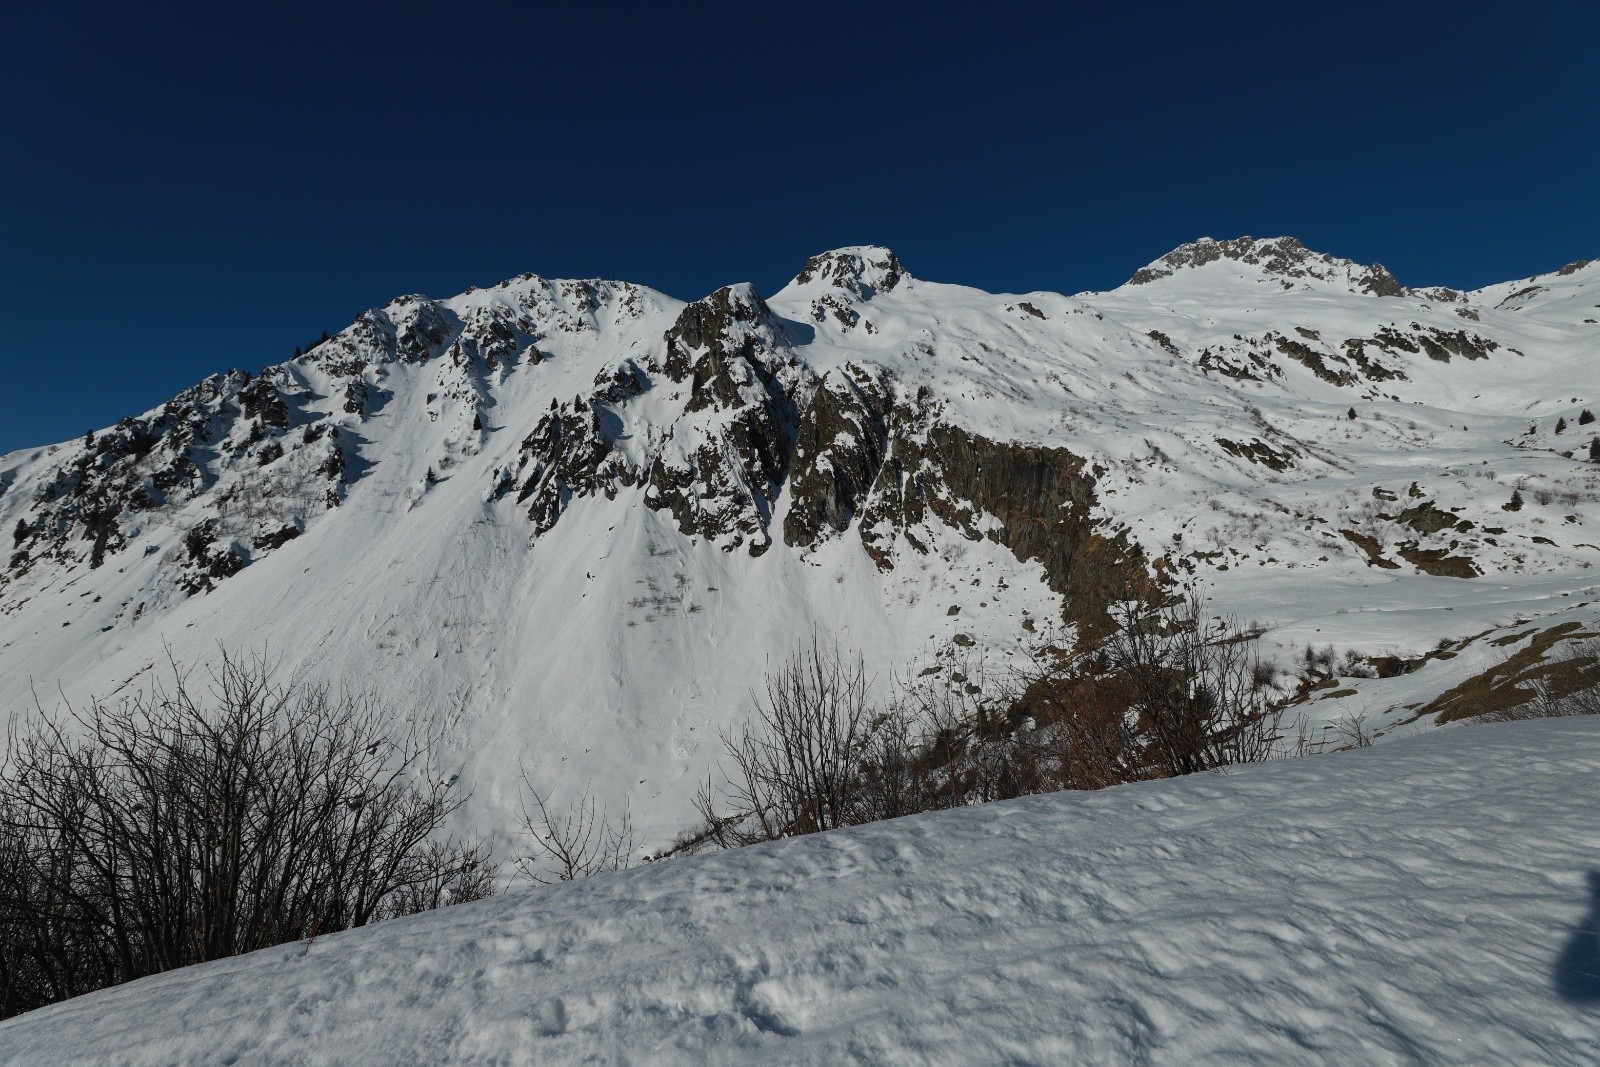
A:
(186, 188)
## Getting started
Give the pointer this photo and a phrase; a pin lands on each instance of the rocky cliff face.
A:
(885, 461)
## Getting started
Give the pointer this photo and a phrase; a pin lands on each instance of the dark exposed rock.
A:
(1437, 561)
(1441, 344)
(100, 527)
(1314, 361)
(564, 457)
(1163, 340)
(206, 565)
(260, 400)
(277, 539)
(131, 474)
(1426, 518)
(721, 345)
(1437, 344)
(624, 383)
(355, 398)
(422, 335)
(1036, 501)
(1283, 258)
(1355, 353)
(1370, 548)
(862, 272)
(1257, 451)
(840, 446)
(1242, 363)
(1379, 282)
(719, 473)
(852, 276)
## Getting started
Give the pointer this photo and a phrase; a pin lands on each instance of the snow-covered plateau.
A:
(576, 521)
(1436, 900)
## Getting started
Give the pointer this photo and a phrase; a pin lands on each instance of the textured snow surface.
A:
(1436, 900)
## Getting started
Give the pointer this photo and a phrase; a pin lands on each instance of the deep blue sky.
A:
(187, 188)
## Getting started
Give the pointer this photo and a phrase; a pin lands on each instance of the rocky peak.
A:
(1282, 258)
(719, 470)
(730, 312)
(726, 345)
(863, 271)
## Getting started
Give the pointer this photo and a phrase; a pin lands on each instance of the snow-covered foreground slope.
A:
(1432, 901)
(577, 520)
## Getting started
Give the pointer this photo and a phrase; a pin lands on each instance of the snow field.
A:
(1436, 900)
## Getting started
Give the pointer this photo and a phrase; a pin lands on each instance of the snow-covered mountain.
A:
(579, 519)
(1434, 901)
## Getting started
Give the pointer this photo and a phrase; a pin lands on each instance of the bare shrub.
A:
(797, 762)
(1550, 701)
(970, 742)
(576, 843)
(1084, 727)
(1168, 693)
(197, 822)
(1194, 687)
(1356, 664)
(1353, 730)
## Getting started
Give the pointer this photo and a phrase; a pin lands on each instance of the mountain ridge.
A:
(549, 495)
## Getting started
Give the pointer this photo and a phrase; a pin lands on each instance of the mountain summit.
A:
(1283, 259)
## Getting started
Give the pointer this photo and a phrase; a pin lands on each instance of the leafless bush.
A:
(797, 762)
(197, 822)
(1169, 693)
(1194, 687)
(819, 754)
(1353, 730)
(970, 741)
(573, 844)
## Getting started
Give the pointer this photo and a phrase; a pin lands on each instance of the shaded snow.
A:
(1436, 900)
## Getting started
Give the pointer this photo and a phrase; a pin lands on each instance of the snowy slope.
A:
(1432, 901)
(577, 519)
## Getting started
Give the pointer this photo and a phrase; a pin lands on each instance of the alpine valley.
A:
(577, 521)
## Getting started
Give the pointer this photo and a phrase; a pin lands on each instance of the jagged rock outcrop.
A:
(229, 437)
(842, 281)
(566, 456)
(719, 468)
(863, 271)
(840, 445)
(723, 465)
